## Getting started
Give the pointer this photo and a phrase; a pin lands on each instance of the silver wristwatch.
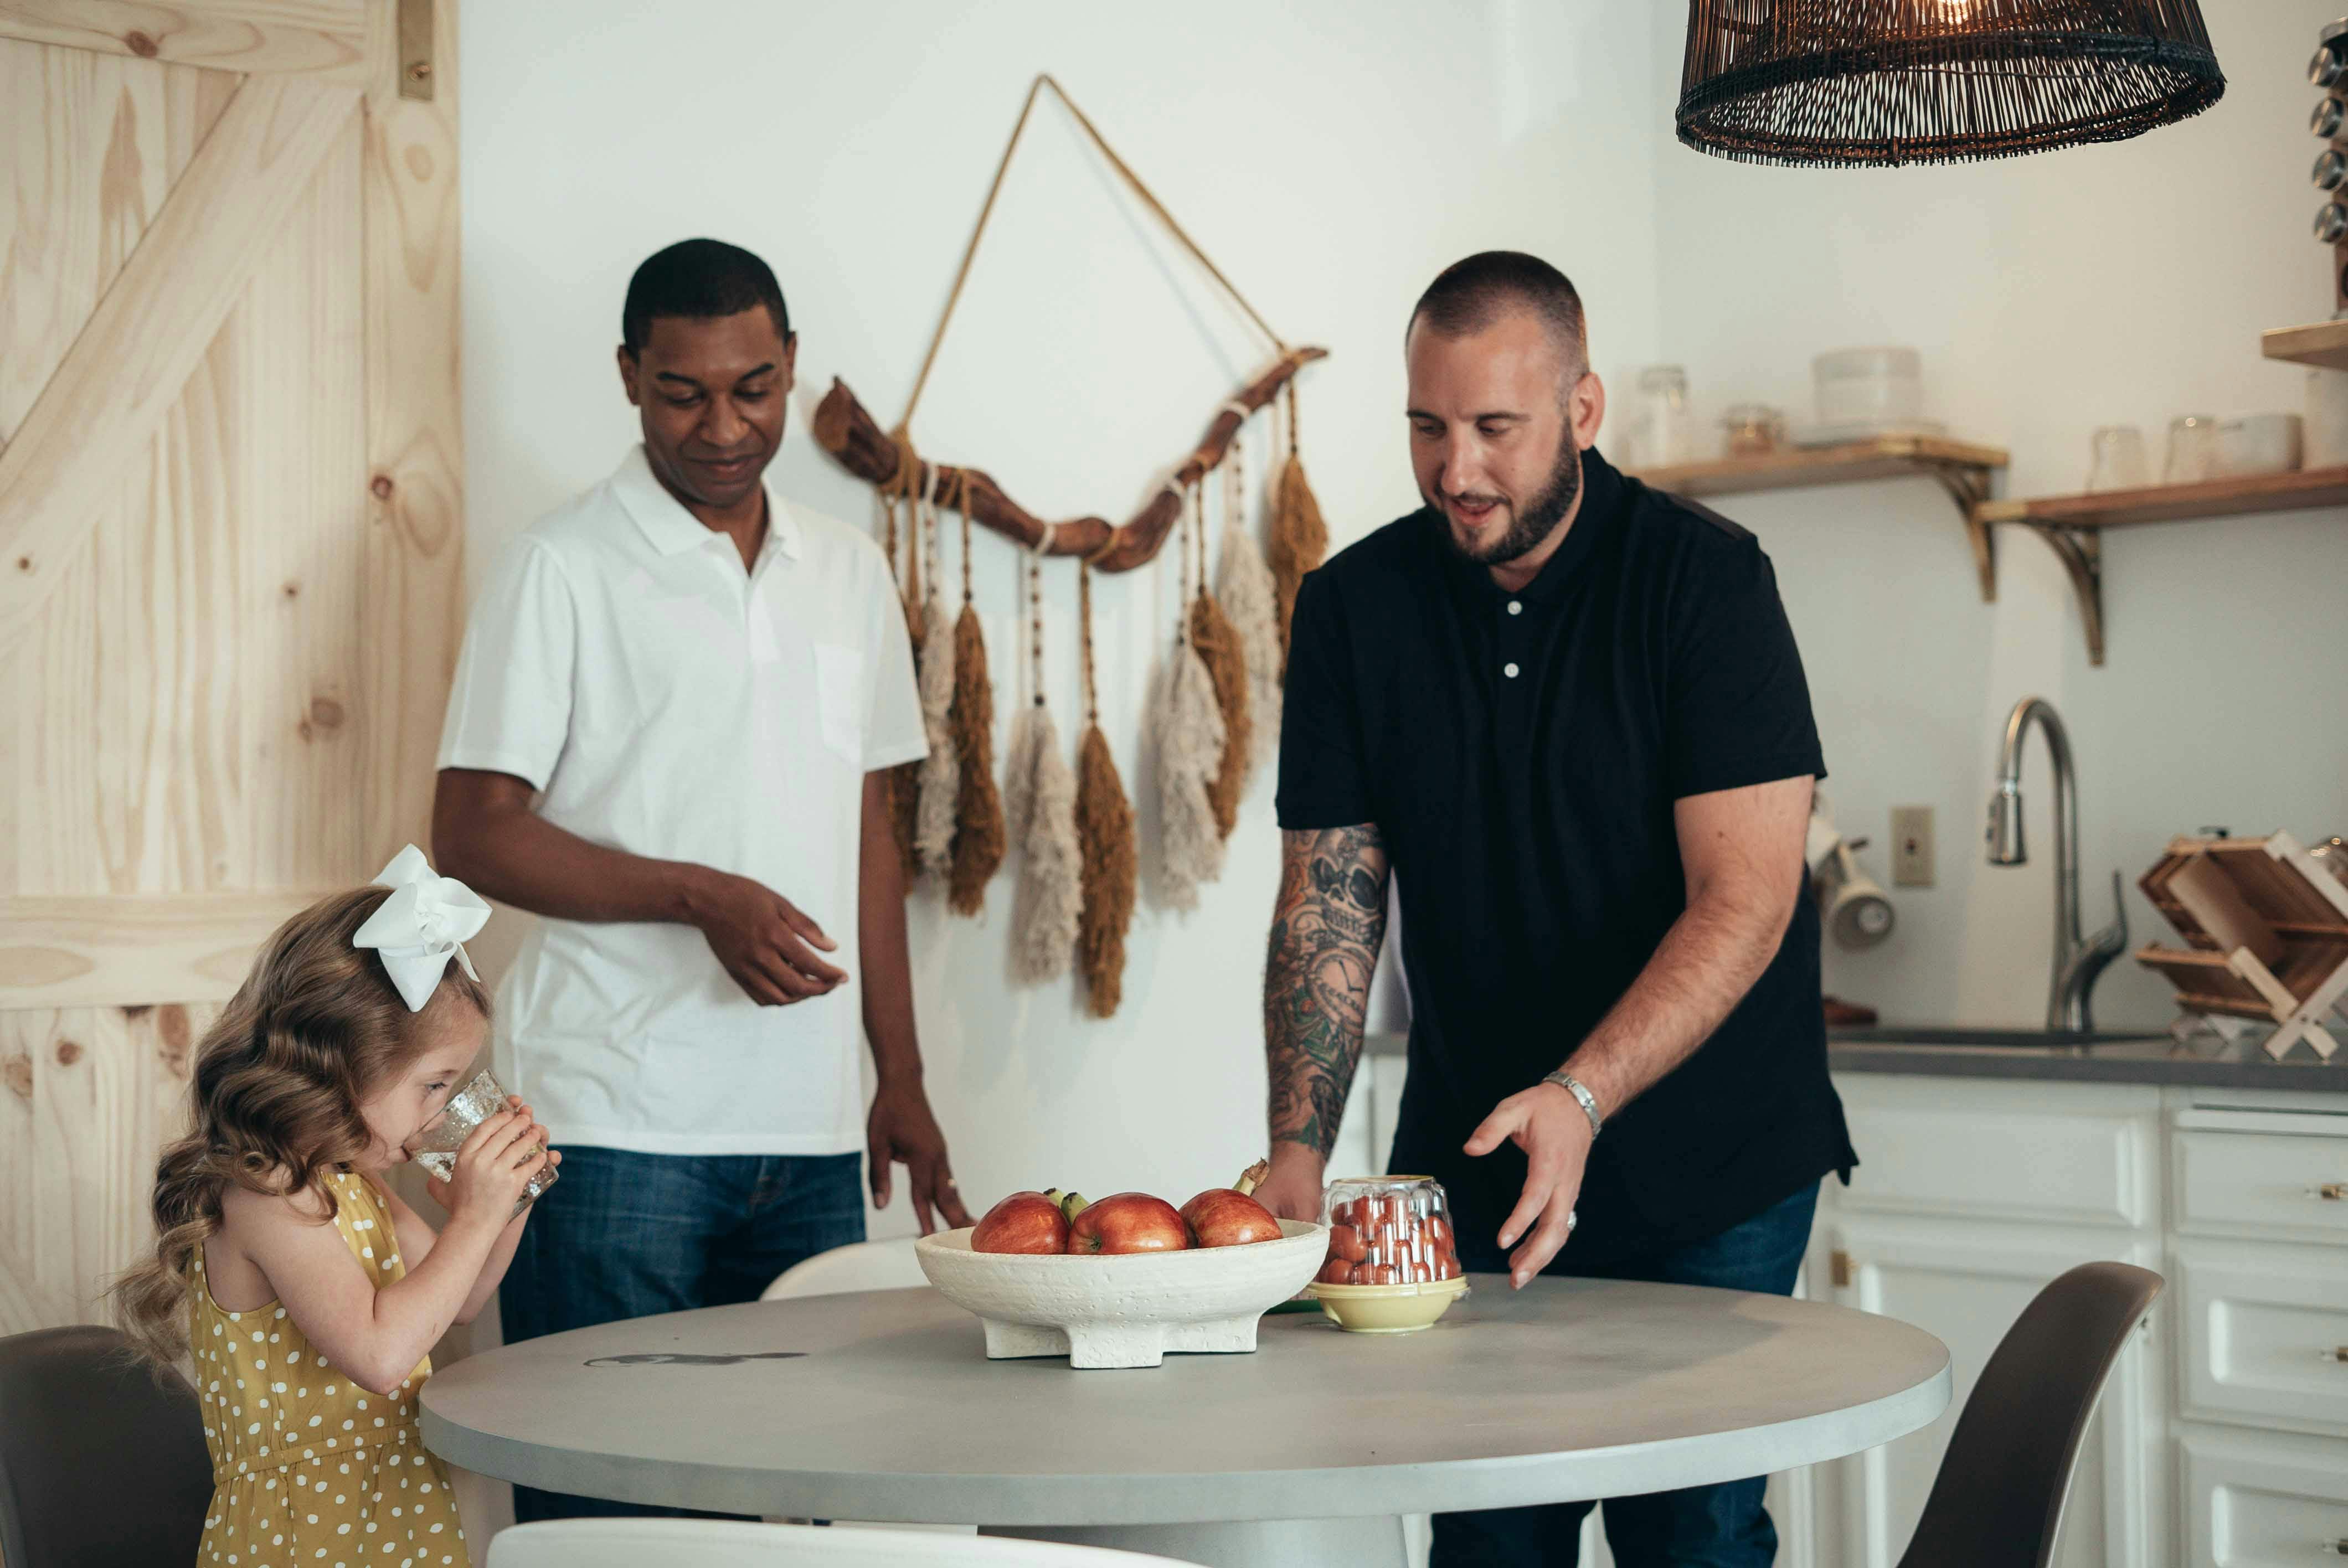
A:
(1572, 1085)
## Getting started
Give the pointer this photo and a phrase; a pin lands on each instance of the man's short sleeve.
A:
(1321, 768)
(509, 707)
(1738, 707)
(892, 727)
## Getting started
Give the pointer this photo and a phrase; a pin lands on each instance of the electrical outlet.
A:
(1911, 846)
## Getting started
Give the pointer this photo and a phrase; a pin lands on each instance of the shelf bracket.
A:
(1968, 486)
(2081, 551)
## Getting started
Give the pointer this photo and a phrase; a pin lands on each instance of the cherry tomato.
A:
(1346, 1242)
(1336, 1271)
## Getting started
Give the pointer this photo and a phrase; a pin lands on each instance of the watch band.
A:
(1572, 1085)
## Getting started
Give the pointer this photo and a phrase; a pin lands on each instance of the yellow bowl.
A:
(1387, 1308)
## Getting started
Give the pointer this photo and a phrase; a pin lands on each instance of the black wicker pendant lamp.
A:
(1936, 81)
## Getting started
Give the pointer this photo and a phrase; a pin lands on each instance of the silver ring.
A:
(1571, 1220)
(952, 1183)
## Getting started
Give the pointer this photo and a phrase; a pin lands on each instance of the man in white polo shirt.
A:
(702, 687)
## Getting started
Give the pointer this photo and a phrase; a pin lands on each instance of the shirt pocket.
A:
(840, 699)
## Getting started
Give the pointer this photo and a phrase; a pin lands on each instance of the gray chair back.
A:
(1998, 1499)
(101, 1464)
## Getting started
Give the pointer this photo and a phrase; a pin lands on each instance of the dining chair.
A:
(81, 1421)
(1998, 1500)
(860, 1265)
(723, 1543)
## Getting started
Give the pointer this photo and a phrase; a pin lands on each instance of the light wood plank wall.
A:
(223, 693)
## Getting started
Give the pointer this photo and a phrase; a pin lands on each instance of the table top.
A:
(881, 1406)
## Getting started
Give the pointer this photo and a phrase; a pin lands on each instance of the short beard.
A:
(1532, 522)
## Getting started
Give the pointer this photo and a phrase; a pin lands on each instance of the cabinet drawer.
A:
(2265, 1334)
(2262, 1184)
(2254, 1501)
(2010, 1163)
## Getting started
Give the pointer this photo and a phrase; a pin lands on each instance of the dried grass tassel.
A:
(1040, 804)
(1243, 590)
(1105, 839)
(1051, 898)
(1189, 728)
(978, 804)
(1299, 537)
(934, 825)
(1218, 647)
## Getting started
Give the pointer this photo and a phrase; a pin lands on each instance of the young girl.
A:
(307, 1292)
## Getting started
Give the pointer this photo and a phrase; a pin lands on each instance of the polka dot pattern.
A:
(287, 1493)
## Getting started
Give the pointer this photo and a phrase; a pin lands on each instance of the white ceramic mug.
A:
(2260, 444)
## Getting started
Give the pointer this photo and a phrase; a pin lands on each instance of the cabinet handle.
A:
(2331, 1192)
(2337, 1353)
(2336, 1548)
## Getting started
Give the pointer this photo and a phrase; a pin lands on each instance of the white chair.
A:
(722, 1543)
(861, 1266)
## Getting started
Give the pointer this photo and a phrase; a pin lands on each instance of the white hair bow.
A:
(425, 922)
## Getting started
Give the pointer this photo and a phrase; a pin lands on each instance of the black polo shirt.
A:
(1520, 754)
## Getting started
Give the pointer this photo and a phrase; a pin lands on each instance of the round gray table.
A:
(881, 1406)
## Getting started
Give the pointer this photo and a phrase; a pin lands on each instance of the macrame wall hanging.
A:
(1217, 708)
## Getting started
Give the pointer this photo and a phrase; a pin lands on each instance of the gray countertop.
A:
(2113, 1057)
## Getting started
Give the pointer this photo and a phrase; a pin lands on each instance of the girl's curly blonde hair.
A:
(276, 1090)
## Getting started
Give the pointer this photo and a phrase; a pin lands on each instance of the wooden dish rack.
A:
(2266, 928)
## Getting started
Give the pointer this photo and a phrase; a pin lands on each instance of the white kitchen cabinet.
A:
(2260, 1500)
(1965, 1282)
(1971, 1196)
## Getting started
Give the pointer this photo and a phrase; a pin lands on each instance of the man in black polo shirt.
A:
(1566, 713)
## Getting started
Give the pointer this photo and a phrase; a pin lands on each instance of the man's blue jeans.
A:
(623, 1234)
(1721, 1526)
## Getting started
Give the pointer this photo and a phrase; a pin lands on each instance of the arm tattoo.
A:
(1326, 928)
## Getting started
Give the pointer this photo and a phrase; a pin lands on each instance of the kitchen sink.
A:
(1994, 1039)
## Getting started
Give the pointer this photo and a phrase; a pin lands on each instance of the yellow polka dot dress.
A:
(309, 1470)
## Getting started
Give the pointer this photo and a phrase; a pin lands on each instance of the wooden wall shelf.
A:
(1960, 467)
(2322, 343)
(2179, 502)
(2073, 526)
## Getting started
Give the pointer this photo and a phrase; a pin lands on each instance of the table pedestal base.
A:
(1372, 1542)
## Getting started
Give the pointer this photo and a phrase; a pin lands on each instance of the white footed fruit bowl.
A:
(1123, 1310)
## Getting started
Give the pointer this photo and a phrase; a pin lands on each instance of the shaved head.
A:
(1470, 295)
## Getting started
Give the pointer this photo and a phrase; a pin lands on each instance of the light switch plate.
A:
(1911, 846)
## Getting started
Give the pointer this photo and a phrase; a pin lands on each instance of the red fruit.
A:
(1225, 1216)
(1024, 1222)
(1336, 1271)
(1129, 1222)
(1384, 1273)
(1345, 1241)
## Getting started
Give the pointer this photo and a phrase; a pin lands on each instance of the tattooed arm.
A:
(1326, 927)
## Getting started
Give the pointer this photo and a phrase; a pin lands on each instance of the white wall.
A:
(2049, 295)
(1331, 156)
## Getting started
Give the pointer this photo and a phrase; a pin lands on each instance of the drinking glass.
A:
(1667, 425)
(2192, 450)
(436, 1143)
(2119, 461)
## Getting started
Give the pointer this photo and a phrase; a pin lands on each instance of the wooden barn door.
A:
(230, 543)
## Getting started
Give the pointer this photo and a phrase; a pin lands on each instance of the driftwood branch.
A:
(855, 439)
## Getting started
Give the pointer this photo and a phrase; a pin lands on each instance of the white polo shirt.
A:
(668, 704)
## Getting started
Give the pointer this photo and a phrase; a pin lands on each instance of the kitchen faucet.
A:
(2078, 960)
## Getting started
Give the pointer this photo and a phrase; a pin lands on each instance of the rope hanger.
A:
(888, 460)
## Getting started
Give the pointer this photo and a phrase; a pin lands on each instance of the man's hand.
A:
(1547, 1123)
(902, 1131)
(1292, 1189)
(762, 939)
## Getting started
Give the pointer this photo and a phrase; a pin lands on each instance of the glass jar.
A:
(1752, 429)
(1664, 422)
(2118, 460)
(1388, 1230)
(2192, 450)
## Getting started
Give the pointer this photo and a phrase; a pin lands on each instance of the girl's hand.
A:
(493, 1166)
(441, 1193)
